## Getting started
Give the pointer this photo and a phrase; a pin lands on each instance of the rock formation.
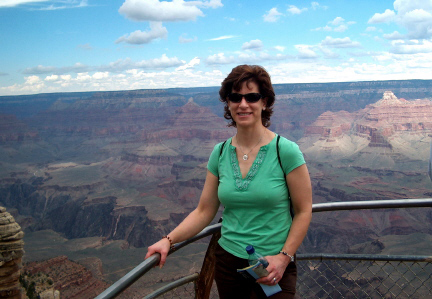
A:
(11, 253)
(388, 130)
(69, 278)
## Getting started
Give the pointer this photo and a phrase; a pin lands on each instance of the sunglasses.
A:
(249, 97)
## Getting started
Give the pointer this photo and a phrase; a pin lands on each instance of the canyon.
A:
(94, 178)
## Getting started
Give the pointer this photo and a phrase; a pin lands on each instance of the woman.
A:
(245, 176)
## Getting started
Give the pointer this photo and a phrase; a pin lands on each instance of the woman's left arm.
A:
(300, 189)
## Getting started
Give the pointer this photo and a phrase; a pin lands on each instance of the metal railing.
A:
(347, 280)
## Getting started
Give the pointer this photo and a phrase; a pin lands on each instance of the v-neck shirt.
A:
(257, 207)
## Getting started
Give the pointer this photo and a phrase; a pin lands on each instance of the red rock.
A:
(385, 126)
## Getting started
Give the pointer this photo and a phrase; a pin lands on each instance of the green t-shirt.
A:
(257, 208)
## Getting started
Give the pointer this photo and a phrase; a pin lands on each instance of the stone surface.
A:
(11, 253)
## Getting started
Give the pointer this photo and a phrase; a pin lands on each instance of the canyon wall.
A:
(128, 166)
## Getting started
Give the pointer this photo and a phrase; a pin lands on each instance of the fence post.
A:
(204, 282)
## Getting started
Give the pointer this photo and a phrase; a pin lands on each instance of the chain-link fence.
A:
(350, 276)
(353, 276)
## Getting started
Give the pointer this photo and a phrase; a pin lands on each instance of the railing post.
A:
(204, 282)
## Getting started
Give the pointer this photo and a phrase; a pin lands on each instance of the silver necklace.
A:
(245, 156)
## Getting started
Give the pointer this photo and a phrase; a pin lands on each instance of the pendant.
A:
(245, 157)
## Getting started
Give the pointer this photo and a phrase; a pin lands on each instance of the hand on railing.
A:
(162, 247)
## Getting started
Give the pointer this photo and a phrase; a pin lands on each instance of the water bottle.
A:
(255, 257)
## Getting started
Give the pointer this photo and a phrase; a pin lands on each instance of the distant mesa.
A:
(191, 128)
(389, 127)
(192, 115)
(188, 135)
(389, 99)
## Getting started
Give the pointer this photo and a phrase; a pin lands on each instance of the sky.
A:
(99, 45)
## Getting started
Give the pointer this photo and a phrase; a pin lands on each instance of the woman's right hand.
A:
(162, 247)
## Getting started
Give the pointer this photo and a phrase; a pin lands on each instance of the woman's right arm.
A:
(195, 222)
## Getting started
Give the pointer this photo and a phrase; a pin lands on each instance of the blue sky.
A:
(78, 45)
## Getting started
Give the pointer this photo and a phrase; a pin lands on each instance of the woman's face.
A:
(246, 113)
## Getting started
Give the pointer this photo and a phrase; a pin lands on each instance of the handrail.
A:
(132, 276)
(172, 286)
(127, 280)
(372, 204)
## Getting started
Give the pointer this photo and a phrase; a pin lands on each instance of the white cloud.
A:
(195, 61)
(394, 35)
(221, 37)
(325, 28)
(386, 66)
(154, 10)
(308, 71)
(66, 4)
(51, 78)
(280, 48)
(370, 29)
(341, 28)
(414, 15)
(272, 15)
(138, 37)
(219, 58)
(338, 24)
(184, 40)
(33, 80)
(345, 42)
(117, 66)
(12, 3)
(411, 47)
(328, 54)
(40, 69)
(157, 63)
(255, 44)
(405, 6)
(337, 21)
(305, 52)
(418, 23)
(82, 77)
(253, 58)
(100, 75)
(386, 17)
(295, 10)
(316, 5)
(205, 4)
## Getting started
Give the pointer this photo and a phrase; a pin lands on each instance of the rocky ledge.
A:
(11, 252)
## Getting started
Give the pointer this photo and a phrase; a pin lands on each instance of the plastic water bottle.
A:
(255, 257)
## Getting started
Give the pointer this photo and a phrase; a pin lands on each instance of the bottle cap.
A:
(250, 249)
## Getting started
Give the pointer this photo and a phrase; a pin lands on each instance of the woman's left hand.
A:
(276, 269)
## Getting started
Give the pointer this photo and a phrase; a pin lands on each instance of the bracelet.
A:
(170, 241)
(290, 256)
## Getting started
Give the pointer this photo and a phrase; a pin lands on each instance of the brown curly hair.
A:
(248, 73)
